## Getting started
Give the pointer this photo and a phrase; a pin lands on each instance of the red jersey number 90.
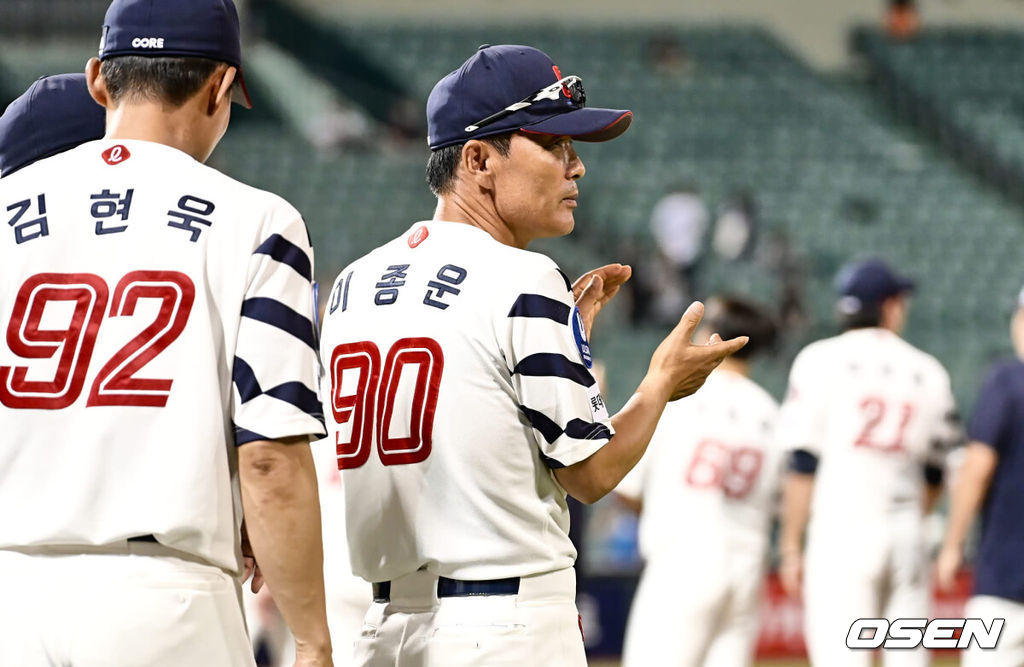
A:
(365, 394)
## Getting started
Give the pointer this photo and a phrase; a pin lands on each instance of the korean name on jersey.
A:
(156, 314)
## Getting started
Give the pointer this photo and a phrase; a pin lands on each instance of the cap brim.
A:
(584, 124)
(240, 94)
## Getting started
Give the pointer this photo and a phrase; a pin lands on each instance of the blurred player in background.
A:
(462, 400)
(55, 114)
(870, 419)
(129, 539)
(991, 479)
(707, 487)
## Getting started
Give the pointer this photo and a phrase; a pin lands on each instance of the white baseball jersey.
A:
(156, 314)
(459, 376)
(874, 409)
(710, 476)
(708, 482)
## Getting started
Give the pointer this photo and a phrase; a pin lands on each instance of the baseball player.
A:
(989, 480)
(707, 487)
(870, 419)
(139, 294)
(460, 397)
(56, 113)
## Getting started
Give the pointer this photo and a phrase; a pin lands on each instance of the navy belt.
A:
(457, 588)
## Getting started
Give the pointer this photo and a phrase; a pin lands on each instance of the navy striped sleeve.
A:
(274, 365)
(245, 380)
(554, 464)
(548, 359)
(537, 305)
(299, 395)
(576, 428)
(286, 252)
(550, 364)
(294, 393)
(276, 314)
(540, 421)
(584, 430)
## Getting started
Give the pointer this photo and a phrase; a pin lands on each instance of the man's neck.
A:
(734, 365)
(478, 213)
(151, 121)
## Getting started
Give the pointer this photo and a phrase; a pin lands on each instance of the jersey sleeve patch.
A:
(579, 334)
(598, 409)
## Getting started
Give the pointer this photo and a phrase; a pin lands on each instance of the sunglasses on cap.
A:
(570, 86)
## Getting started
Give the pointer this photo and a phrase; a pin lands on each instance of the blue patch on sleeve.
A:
(579, 332)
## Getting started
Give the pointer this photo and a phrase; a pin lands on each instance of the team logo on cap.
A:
(115, 155)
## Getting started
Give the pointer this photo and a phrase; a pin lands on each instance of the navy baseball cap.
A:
(196, 28)
(55, 114)
(510, 87)
(868, 282)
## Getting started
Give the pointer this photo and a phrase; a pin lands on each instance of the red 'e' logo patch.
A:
(116, 155)
(418, 236)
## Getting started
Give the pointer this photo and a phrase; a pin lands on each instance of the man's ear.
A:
(97, 84)
(220, 90)
(478, 161)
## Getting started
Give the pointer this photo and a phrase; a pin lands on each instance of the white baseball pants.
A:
(539, 626)
(132, 605)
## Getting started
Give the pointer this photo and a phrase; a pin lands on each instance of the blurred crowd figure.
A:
(901, 19)
(782, 260)
(668, 275)
(679, 224)
(736, 227)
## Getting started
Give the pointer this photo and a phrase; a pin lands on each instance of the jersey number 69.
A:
(365, 395)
